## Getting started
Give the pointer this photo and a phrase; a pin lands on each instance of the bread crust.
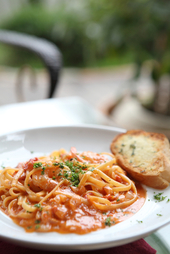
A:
(145, 156)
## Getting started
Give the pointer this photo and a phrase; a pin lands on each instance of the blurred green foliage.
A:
(100, 32)
(63, 26)
(97, 33)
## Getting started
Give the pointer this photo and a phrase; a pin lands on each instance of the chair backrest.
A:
(47, 51)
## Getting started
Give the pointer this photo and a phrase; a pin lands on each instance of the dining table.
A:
(58, 112)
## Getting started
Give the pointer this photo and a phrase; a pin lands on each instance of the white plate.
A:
(17, 147)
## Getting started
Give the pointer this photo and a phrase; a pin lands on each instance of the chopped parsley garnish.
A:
(158, 214)
(133, 149)
(74, 179)
(2, 166)
(37, 165)
(159, 197)
(61, 165)
(66, 174)
(108, 221)
(37, 226)
(168, 200)
(43, 171)
(37, 205)
(72, 174)
(139, 221)
(121, 151)
(71, 170)
(37, 221)
(85, 166)
(92, 169)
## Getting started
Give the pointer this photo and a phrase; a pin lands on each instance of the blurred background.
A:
(111, 50)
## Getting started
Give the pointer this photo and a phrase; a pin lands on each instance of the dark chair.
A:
(47, 51)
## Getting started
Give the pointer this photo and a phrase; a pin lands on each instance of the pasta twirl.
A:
(68, 192)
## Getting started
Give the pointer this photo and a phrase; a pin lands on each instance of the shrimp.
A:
(76, 155)
(88, 156)
(94, 157)
(43, 181)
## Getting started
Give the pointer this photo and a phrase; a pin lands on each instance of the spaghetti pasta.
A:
(68, 192)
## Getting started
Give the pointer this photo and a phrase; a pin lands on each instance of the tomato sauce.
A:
(65, 215)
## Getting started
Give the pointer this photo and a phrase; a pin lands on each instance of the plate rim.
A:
(90, 126)
(38, 242)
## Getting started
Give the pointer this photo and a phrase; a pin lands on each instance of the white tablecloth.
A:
(54, 112)
(48, 112)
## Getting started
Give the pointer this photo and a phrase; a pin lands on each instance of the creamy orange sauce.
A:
(67, 206)
(69, 216)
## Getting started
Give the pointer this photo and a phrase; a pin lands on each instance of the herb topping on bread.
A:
(145, 156)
